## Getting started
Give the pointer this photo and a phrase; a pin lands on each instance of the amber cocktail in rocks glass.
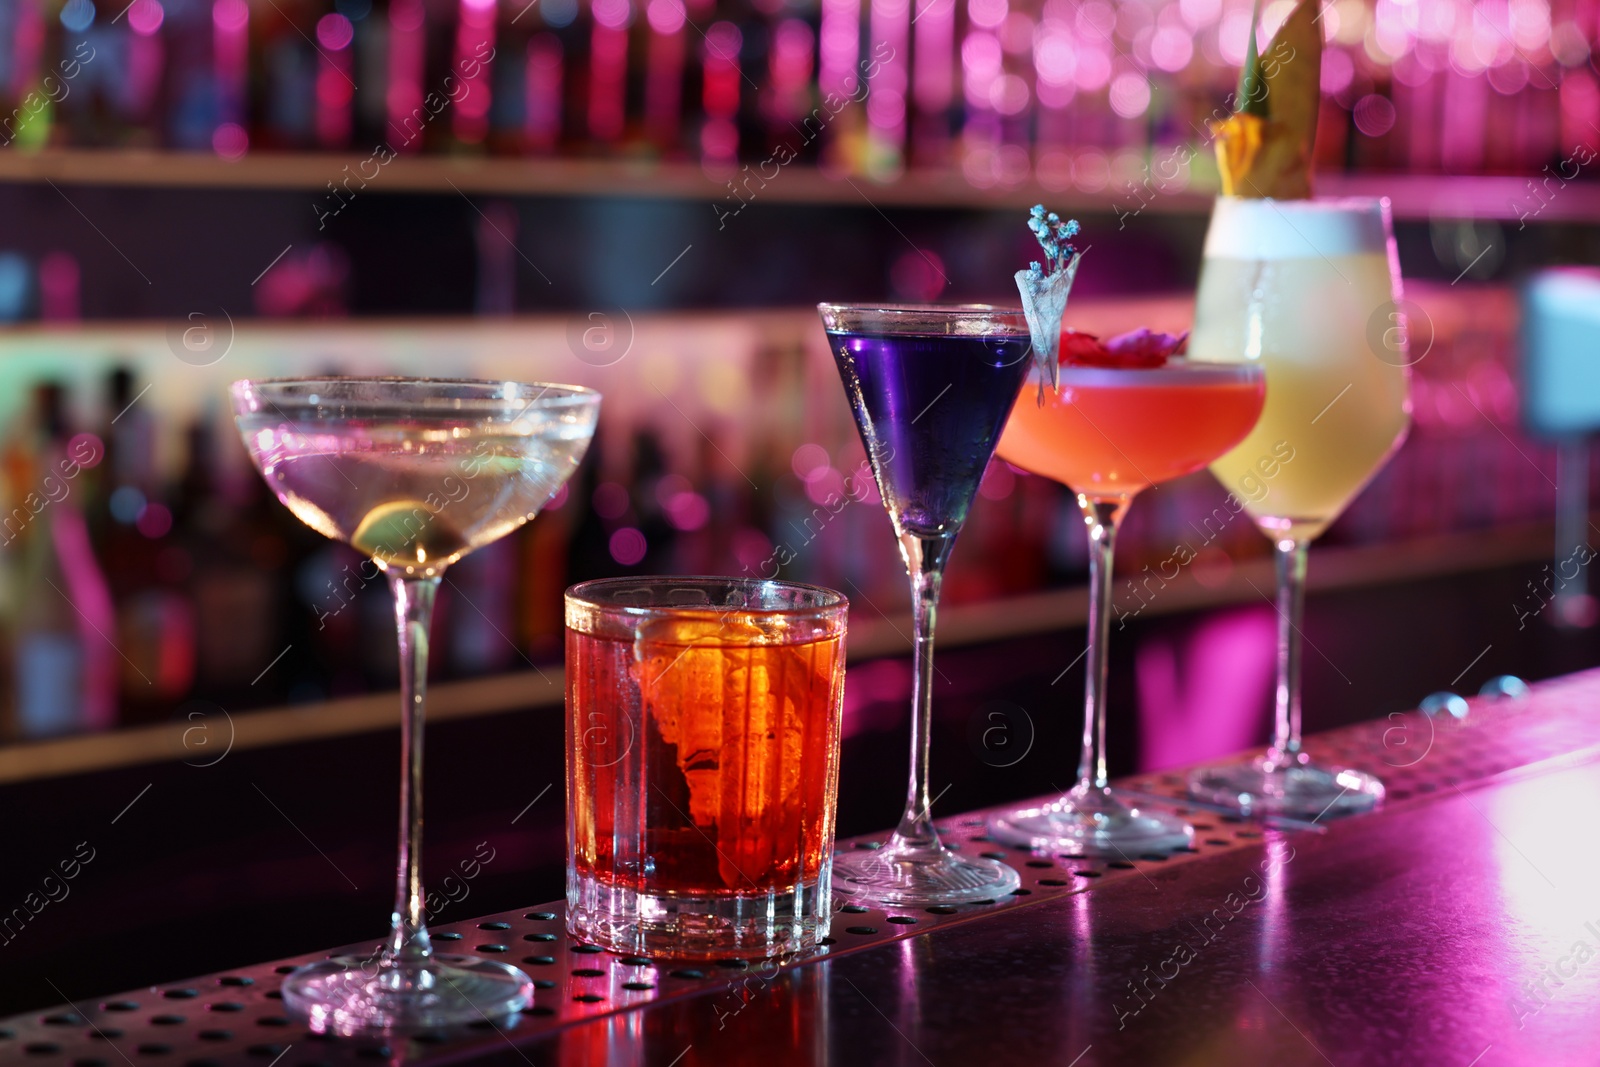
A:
(416, 473)
(702, 764)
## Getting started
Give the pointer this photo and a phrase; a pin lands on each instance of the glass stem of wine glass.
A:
(413, 610)
(1101, 517)
(1291, 560)
(925, 560)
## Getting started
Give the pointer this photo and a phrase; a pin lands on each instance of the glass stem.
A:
(1101, 517)
(413, 610)
(1291, 559)
(925, 559)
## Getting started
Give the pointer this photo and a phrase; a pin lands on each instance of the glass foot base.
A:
(1300, 789)
(350, 995)
(781, 921)
(1098, 824)
(930, 875)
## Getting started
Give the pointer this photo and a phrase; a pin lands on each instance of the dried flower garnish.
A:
(1055, 237)
(1045, 287)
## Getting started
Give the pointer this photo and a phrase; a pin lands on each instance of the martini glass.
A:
(1108, 434)
(416, 473)
(1309, 290)
(930, 388)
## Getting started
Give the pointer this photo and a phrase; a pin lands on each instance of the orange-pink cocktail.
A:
(1108, 432)
(1112, 431)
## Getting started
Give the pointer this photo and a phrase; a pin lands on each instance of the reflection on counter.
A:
(149, 576)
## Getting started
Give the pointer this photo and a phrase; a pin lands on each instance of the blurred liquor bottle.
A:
(232, 563)
(479, 612)
(63, 673)
(542, 575)
(154, 625)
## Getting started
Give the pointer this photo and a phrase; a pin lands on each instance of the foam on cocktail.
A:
(1293, 229)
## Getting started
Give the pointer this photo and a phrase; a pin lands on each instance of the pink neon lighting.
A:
(146, 57)
(1204, 694)
(608, 74)
(145, 17)
(665, 16)
(335, 90)
(839, 45)
(612, 14)
(543, 115)
(229, 140)
(719, 137)
(886, 99)
(981, 60)
(987, 14)
(404, 96)
(664, 60)
(473, 54)
(789, 70)
(933, 72)
(335, 32)
(230, 52)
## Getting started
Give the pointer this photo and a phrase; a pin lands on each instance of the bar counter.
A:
(1454, 926)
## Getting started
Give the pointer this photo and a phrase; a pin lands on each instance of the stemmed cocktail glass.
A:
(1108, 433)
(1309, 290)
(930, 388)
(416, 473)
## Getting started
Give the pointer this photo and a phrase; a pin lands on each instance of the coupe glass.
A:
(1309, 290)
(416, 473)
(1109, 433)
(930, 388)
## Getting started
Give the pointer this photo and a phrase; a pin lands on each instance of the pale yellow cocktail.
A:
(1309, 290)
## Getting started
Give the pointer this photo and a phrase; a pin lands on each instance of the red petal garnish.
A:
(1141, 348)
(1080, 347)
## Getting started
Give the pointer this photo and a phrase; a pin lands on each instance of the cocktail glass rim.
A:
(893, 310)
(240, 389)
(831, 601)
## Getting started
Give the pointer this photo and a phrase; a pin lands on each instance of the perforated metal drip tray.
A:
(238, 1017)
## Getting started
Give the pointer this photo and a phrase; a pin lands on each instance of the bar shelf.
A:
(1415, 196)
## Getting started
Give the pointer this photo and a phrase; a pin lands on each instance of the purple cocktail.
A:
(930, 388)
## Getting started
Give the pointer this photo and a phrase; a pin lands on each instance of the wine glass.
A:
(1108, 433)
(1309, 290)
(416, 473)
(930, 388)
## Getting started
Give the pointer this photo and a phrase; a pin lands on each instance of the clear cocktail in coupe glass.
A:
(1308, 290)
(1107, 434)
(930, 388)
(415, 473)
